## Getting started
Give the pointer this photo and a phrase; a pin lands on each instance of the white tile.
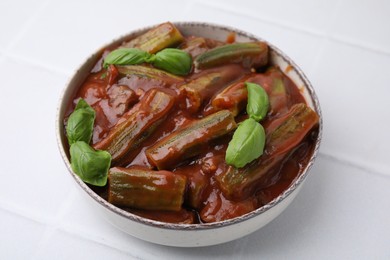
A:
(321, 212)
(34, 178)
(335, 209)
(300, 46)
(19, 237)
(14, 16)
(306, 15)
(67, 32)
(81, 217)
(341, 213)
(364, 22)
(352, 84)
(62, 245)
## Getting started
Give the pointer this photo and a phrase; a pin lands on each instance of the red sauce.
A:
(112, 95)
(231, 37)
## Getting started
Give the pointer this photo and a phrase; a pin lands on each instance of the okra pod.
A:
(121, 97)
(198, 45)
(283, 135)
(196, 189)
(163, 36)
(185, 143)
(195, 46)
(137, 124)
(218, 208)
(182, 216)
(142, 188)
(197, 183)
(199, 90)
(233, 98)
(249, 54)
(273, 81)
(150, 73)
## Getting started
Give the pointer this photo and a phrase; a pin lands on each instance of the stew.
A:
(164, 108)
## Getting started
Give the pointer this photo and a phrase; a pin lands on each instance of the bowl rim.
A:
(200, 226)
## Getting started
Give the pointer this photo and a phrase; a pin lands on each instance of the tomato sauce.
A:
(111, 95)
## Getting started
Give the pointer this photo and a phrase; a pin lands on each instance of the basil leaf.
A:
(126, 56)
(258, 102)
(90, 165)
(172, 60)
(247, 143)
(82, 104)
(80, 123)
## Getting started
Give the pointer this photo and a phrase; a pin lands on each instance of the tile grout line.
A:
(52, 227)
(24, 214)
(232, 10)
(355, 165)
(326, 39)
(296, 28)
(202, 2)
(85, 236)
(349, 43)
(55, 225)
(37, 64)
(336, 11)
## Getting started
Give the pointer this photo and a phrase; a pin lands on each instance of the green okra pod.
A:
(235, 96)
(197, 183)
(182, 216)
(137, 124)
(150, 73)
(249, 54)
(185, 143)
(160, 37)
(283, 135)
(142, 188)
(195, 46)
(199, 90)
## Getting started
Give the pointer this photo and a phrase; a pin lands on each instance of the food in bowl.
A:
(187, 129)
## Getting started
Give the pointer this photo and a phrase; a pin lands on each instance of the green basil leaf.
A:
(247, 143)
(126, 56)
(258, 102)
(80, 123)
(82, 104)
(90, 165)
(172, 60)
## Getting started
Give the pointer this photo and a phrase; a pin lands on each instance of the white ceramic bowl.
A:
(192, 235)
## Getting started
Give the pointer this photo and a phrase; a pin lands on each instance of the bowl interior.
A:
(199, 29)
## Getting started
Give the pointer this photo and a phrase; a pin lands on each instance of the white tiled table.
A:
(343, 211)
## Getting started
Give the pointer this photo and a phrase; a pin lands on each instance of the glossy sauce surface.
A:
(112, 95)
